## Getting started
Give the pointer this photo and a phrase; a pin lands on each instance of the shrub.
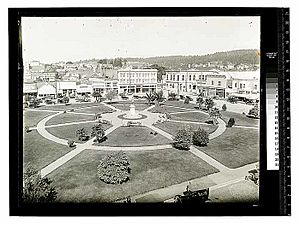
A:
(200, 137)
(254, 112)
(114, 168)
(224, 107)
(27, 129)
(232, 99)
(82, 135)
(98, 131)
(186, 101)
(183, 139)
(71, 143)
(172, 96)
(231, 122)
(37, 189)
(168, 116)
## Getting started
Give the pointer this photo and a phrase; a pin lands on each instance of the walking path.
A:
(226, 175)
(246, 127)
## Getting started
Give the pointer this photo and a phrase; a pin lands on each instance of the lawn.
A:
(40, 152)
(125, 105)
(240, 119)
(69, 132)
(234, 148)
(166, 109)
(181, 104)
(240, 192)
(77, 181)
(69, 117)
(97, 109)
(134, 136)
(62, 107)
(31, 118)
(172, 127)
(191, 116)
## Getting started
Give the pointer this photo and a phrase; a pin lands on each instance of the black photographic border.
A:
(270, 190)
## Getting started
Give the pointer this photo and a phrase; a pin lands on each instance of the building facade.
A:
(137, 80)
(192, 81)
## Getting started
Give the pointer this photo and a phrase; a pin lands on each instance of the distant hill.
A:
(244, 56)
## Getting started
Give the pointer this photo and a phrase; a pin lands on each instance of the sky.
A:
(50, 40)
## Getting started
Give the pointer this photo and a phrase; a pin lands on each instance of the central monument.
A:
(132, 113)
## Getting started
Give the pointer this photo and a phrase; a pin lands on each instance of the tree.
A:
(215, 113)
(159, 97)
(172, 96)
(111, 95)
(224, 107)
(231, 122)
(200, 99)
(232, 99)
(209, 103)
(97, 95)
(37, 189)
(66, 99)
(183, 139)
(200, 137)
(82, 135)
(254, 112)
(150, 97)
(98, 131)
(186, 100)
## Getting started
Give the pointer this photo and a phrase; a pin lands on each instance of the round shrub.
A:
(114, 168)
(186, 101)
(200, 137)
(71, 143)
(224, 107)
(183, 139)
(231, 122)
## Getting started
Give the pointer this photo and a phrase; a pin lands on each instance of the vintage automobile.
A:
(253, 176)
(199, 196)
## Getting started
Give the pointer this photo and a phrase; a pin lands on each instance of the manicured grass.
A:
(125, 105)
(40, 152)
(97, 109)
(240, 192)
(234, 148)
(172, 127)
(63, 107)
(181, 104)
(166, 109)
(69, 132)
(77, 180)
(69, 117)
(191, 116)
(32, 118)
(134, 136)
(240, 119)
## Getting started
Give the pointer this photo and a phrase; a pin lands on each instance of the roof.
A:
(248, 75)
(30, 88)
(137, 70)
(66, 85)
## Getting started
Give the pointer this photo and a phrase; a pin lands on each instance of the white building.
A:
(46, 90)
(84, 89)
(243, 83)
(65, 88)
(192, 81)
(137, 80)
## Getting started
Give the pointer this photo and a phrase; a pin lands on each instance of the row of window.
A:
(136, 74)
(137, 81)
(243, 86)
(190, 77)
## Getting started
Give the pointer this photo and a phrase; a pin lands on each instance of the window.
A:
(190, 77)
(182, 77)
(190, 86)
(219, 83)
(212, 82)
(255, 86)
(194, 77)
(177, 77)
(241, 85)
(167, 77)
(235, 85)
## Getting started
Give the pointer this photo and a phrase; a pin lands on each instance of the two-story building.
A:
(66, 88)
(192, 81)
(137, 80)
